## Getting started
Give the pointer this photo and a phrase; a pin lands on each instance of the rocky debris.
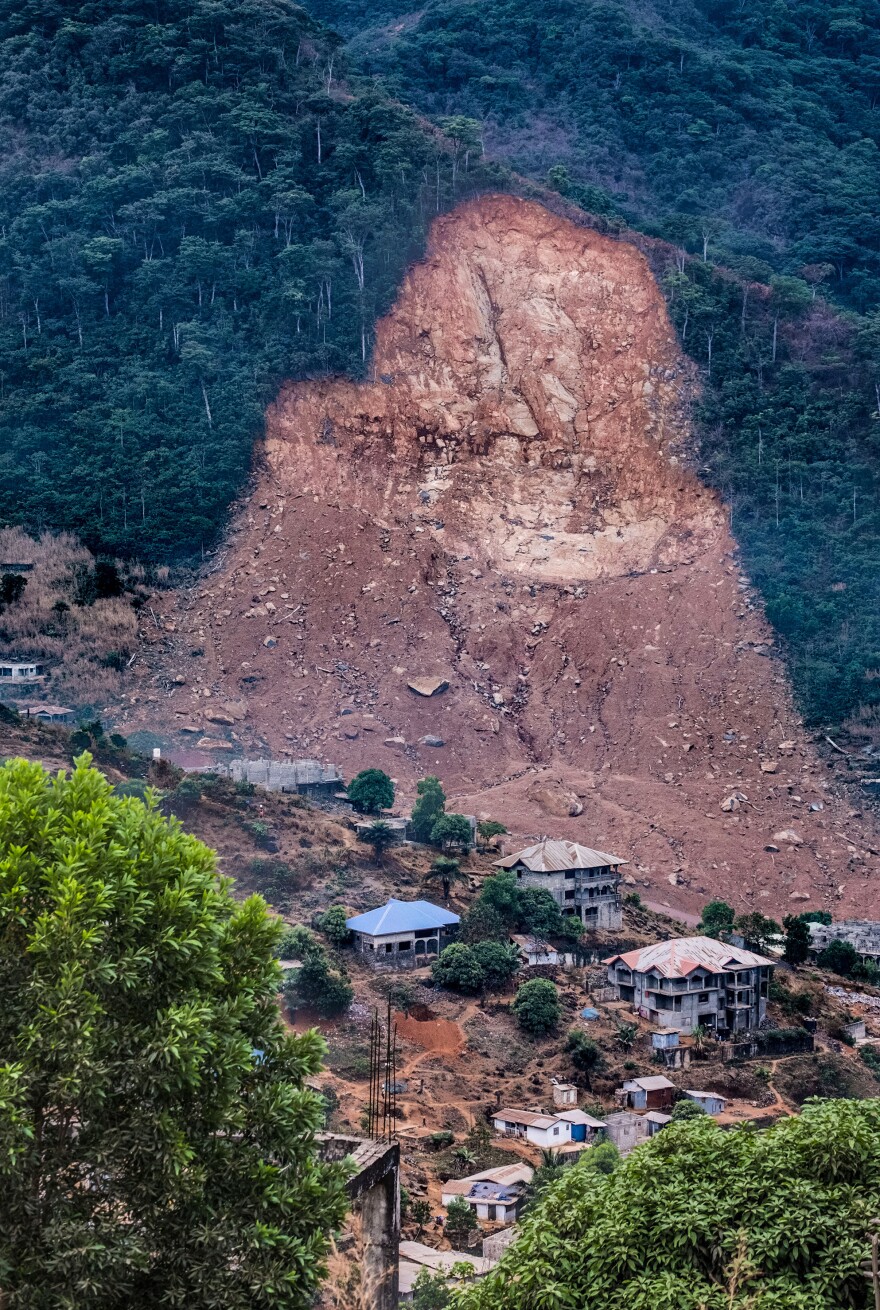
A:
(431, 741)
(537, 391)
(270, 642)
(799, 896)
(212, 744)
(220, 716)
(428, 686)
(733, 802)
(789, 836)
(769, 766)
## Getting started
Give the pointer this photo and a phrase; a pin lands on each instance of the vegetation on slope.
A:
(704, 1218)
(194, 206)
(745, 135)
(158, 1136)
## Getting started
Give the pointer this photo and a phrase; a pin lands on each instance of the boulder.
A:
(428, 686)
(789, 836)
(431, 741)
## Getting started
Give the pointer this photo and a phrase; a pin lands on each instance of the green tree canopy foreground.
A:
(156, 1133)
(706, 1219)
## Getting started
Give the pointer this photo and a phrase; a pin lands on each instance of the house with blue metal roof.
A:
(403, 934)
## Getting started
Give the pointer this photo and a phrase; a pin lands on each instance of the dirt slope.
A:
(508, 505)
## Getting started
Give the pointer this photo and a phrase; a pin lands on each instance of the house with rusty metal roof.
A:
(694, 982)
(583, 882)
(497, 1195)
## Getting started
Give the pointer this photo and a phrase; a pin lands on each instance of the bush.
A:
(332, 924)
(459, 969)
(316, 982)
(717, 917)
(498, 963)
(840, 957)
(537, 1007)
(687, 1109)
(539, 913)
(371, 791)
(482, 923)
(460, 1220)
(452, 830)
(585, 1054)
(871, 1057)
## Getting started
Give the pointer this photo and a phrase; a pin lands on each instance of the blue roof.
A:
(401, 916)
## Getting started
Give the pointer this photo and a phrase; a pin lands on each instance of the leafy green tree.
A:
(539, 913)
(159, 1140)
(501, 894)
(370, 791)
(431, 1291)
(334, 927)
(797, 940)
(686, 1109)
(482, 923)
(537, 1007)
(460, 1221)
(458, 968)
(430, 805)
(757, 929)
(717, 917)
(840, 957)
(585, 1054)
(487, 829)
(451, 830)
(420, 1213)
(316, 983)
(499, 963)
(731, 1198)
(816, 916)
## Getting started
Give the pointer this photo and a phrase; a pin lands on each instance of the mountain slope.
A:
(507, 506)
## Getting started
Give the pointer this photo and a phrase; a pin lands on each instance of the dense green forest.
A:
(195, 204)
(747, 136)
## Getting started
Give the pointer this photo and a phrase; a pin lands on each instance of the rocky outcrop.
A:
(507, 506)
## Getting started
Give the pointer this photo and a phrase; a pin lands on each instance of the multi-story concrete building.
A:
(694, 982)
(582, 881)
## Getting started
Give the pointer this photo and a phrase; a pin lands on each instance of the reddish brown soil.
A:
(436, 1035)
(508, 504)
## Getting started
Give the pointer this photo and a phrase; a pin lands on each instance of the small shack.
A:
(46, 713)
(497, 1195)
(656, 1120)
(711, 1102)
(667, 1049)
(403, 934)
(533, 951)
(565, 1095)
(654, 1092)
(584, 1128)
(625, 1129)
(542, 1130)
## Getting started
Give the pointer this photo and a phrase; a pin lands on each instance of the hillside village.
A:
(538, 1008)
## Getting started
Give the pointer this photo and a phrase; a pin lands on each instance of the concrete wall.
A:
(593, 895)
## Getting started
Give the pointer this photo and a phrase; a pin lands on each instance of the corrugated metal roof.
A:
(580, 1117)
(657, 1118)
(553, 856)
(401, 916)
(651, 1083)
(681, 956)
(530, 1118)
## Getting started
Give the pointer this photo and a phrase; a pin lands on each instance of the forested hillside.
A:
(195, 204)
(745, 135)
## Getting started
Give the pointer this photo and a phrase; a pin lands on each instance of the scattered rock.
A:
(799, 896)
(270, 642)
(428, 686)
(769, 766)
(734, 801)
(788, 835)
(575, 808)
(774, 850)
(211, 744)
(394, 741)
(351, 733)
(431, 741)
(220, 716)
(237, 708)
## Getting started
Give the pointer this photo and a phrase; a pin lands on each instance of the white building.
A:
(583, 882)
(711, 1102)
(692, 982)
(403, 933)
(496, 1195)
(24, 671)
(544, 1130)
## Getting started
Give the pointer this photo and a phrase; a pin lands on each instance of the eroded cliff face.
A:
(507, 505)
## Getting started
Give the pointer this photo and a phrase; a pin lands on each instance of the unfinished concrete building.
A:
(583, 882)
